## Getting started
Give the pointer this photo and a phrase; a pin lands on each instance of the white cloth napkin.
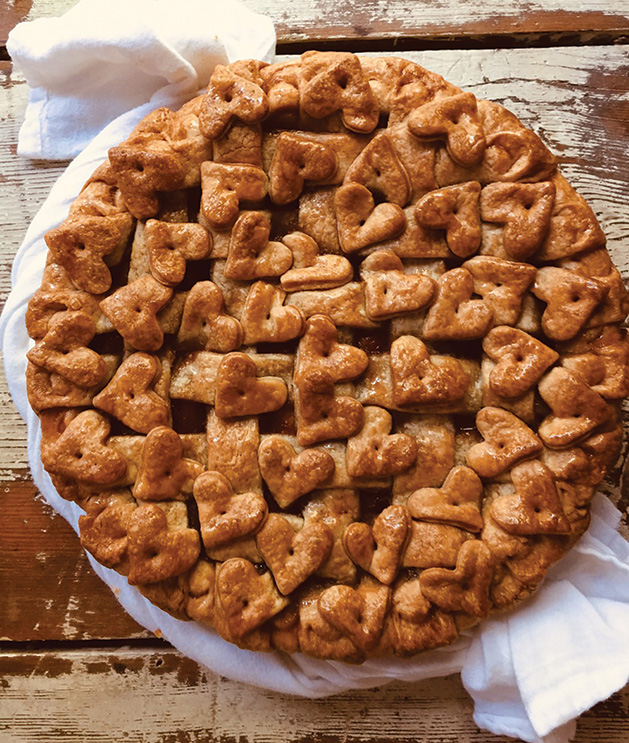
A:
(531, 671)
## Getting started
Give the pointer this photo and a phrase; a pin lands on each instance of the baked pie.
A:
(331, 358)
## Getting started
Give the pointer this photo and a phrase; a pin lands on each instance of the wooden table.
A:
(73, 665)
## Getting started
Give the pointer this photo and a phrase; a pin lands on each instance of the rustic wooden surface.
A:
(73, 665)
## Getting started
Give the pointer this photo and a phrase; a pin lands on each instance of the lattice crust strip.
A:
(331, 358)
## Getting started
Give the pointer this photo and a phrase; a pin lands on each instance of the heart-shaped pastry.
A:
(378, 549)
(204, 323)
(80, 451)
(325, 415)
(374, 451)
(419, 378)
(359, 612)
(507, 441)
(310, 270)
(170, 245)
(164, 472)
(130, 396)
(456, 502)
(246, 598)
(379, 169)
(524, 209)
(104, 527)
(266, 319)
(454, 315)
(157, 549)
(322, 360)
(388, 290)
(455, 210)
(576, 409)
(231, 96)
(361, 222)
(297, 159)
(239, 392)
(455, 119)
(293, 556)
(223, 514)
(225, 185)
(466, 588)
(290, 475)
(520, 359)
(63, 350)
(535, 507)
(502, 285)
(251, 255)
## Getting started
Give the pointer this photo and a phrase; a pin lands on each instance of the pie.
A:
(331, 358)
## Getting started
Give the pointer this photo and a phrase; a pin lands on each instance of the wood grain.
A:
(158, 696)
(408, 22)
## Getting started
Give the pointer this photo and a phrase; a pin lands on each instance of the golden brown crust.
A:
(331, 358)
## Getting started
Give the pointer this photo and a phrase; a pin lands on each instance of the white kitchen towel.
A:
(100, 59)
(530, 671)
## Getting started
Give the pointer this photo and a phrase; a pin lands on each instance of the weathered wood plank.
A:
(316, 21)
(49, 591)
(157, 695)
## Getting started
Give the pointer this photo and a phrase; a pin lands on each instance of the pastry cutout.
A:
(455, 119)
(239, 392)
(225, 186)
(295, 160)
(224, 515)
(535, 507)
(358, 613)
(507, 441)
(63, 350)
(311, 270)
(570, 300)
(421, 379)
(576, 409)
(104, 527)
(322, 360)
(323, 415)
(361, 222)
(502, 285)
(132, 310)
(81, 243)
(293, 556)
(266, 319)
(142, 172)
(157, 551)
(605, 365)
(388, 290)
(466, 588)
(334, 81)
(229, 96)
(251, 256)
(455, 210)
(374, 451)
(170, 245)
(246, 598)
(521, 360)
(130, 396)
(290, 475)
(81, 452)
(379, 169)
(378, 549)
(164, 473)
(454, 315)
(456, 502)
(204, 323)
(524, 209)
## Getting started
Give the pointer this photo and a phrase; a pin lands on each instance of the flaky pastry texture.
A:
(331, 358)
